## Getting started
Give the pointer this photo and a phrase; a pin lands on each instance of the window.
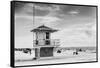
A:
(47, 35)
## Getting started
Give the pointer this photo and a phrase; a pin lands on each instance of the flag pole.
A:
(33, 21)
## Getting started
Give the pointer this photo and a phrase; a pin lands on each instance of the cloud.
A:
(39, 9)
(76, 36)
(76, 27)
(46, 20)
(73, 12)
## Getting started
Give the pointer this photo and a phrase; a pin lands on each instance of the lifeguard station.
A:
(43, 44)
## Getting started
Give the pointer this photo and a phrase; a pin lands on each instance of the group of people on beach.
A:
(76, 52)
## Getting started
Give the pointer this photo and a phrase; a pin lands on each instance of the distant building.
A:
(43, 43)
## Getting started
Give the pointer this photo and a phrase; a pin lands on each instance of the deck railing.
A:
(50, 42)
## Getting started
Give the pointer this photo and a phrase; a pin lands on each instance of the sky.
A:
(76, 25)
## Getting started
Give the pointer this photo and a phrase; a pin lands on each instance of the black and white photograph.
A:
(54, 33)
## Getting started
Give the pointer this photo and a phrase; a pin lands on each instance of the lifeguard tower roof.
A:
(43, 28)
